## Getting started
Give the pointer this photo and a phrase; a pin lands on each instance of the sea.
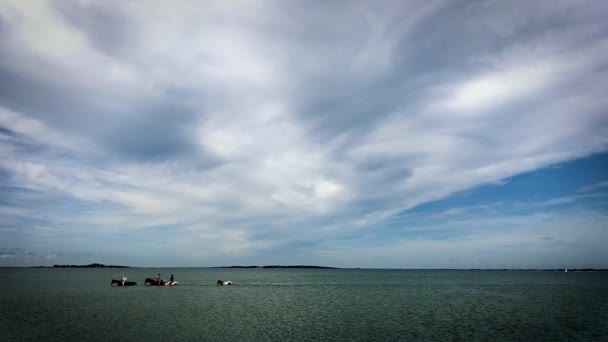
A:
(69, 304)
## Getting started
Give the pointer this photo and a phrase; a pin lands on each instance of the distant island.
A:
(94, 265)
(279, 266)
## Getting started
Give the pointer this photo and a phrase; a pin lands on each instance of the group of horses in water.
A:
(154, 282)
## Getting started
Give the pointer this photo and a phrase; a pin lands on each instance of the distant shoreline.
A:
(98, 265)
(94, 265)
(279, 266)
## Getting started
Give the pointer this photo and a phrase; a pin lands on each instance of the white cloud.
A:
(482, 131)
(516, 77)
(528, 241)
(594, 187)
(495, 89)
(230, 123)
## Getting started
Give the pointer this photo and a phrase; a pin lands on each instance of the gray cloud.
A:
(106, 25)
(236, 126)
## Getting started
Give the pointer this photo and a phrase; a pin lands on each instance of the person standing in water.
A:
(171, 279)
(123, 280)
(158, 280)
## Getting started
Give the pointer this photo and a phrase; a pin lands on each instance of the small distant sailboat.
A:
(566, 270)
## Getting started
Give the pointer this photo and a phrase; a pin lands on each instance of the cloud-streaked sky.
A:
(343, 133)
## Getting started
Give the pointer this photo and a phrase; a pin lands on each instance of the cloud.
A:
(240, 129)
(594, 187)
(538, 240)
(17, 253)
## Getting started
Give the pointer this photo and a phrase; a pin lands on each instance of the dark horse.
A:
(119, 283)
(150, 281)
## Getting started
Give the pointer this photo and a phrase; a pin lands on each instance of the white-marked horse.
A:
(220, 282)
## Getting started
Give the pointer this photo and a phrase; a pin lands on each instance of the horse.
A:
(150, 281)
(119, 283)
(220, 282)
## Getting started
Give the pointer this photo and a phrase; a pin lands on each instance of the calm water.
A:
(304, 305)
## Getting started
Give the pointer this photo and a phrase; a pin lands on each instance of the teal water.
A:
(304, 305)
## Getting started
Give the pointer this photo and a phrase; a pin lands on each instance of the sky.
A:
(393, 134)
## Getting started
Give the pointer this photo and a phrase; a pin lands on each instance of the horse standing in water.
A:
(150, 281)
(153, 282)
(119, 283)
